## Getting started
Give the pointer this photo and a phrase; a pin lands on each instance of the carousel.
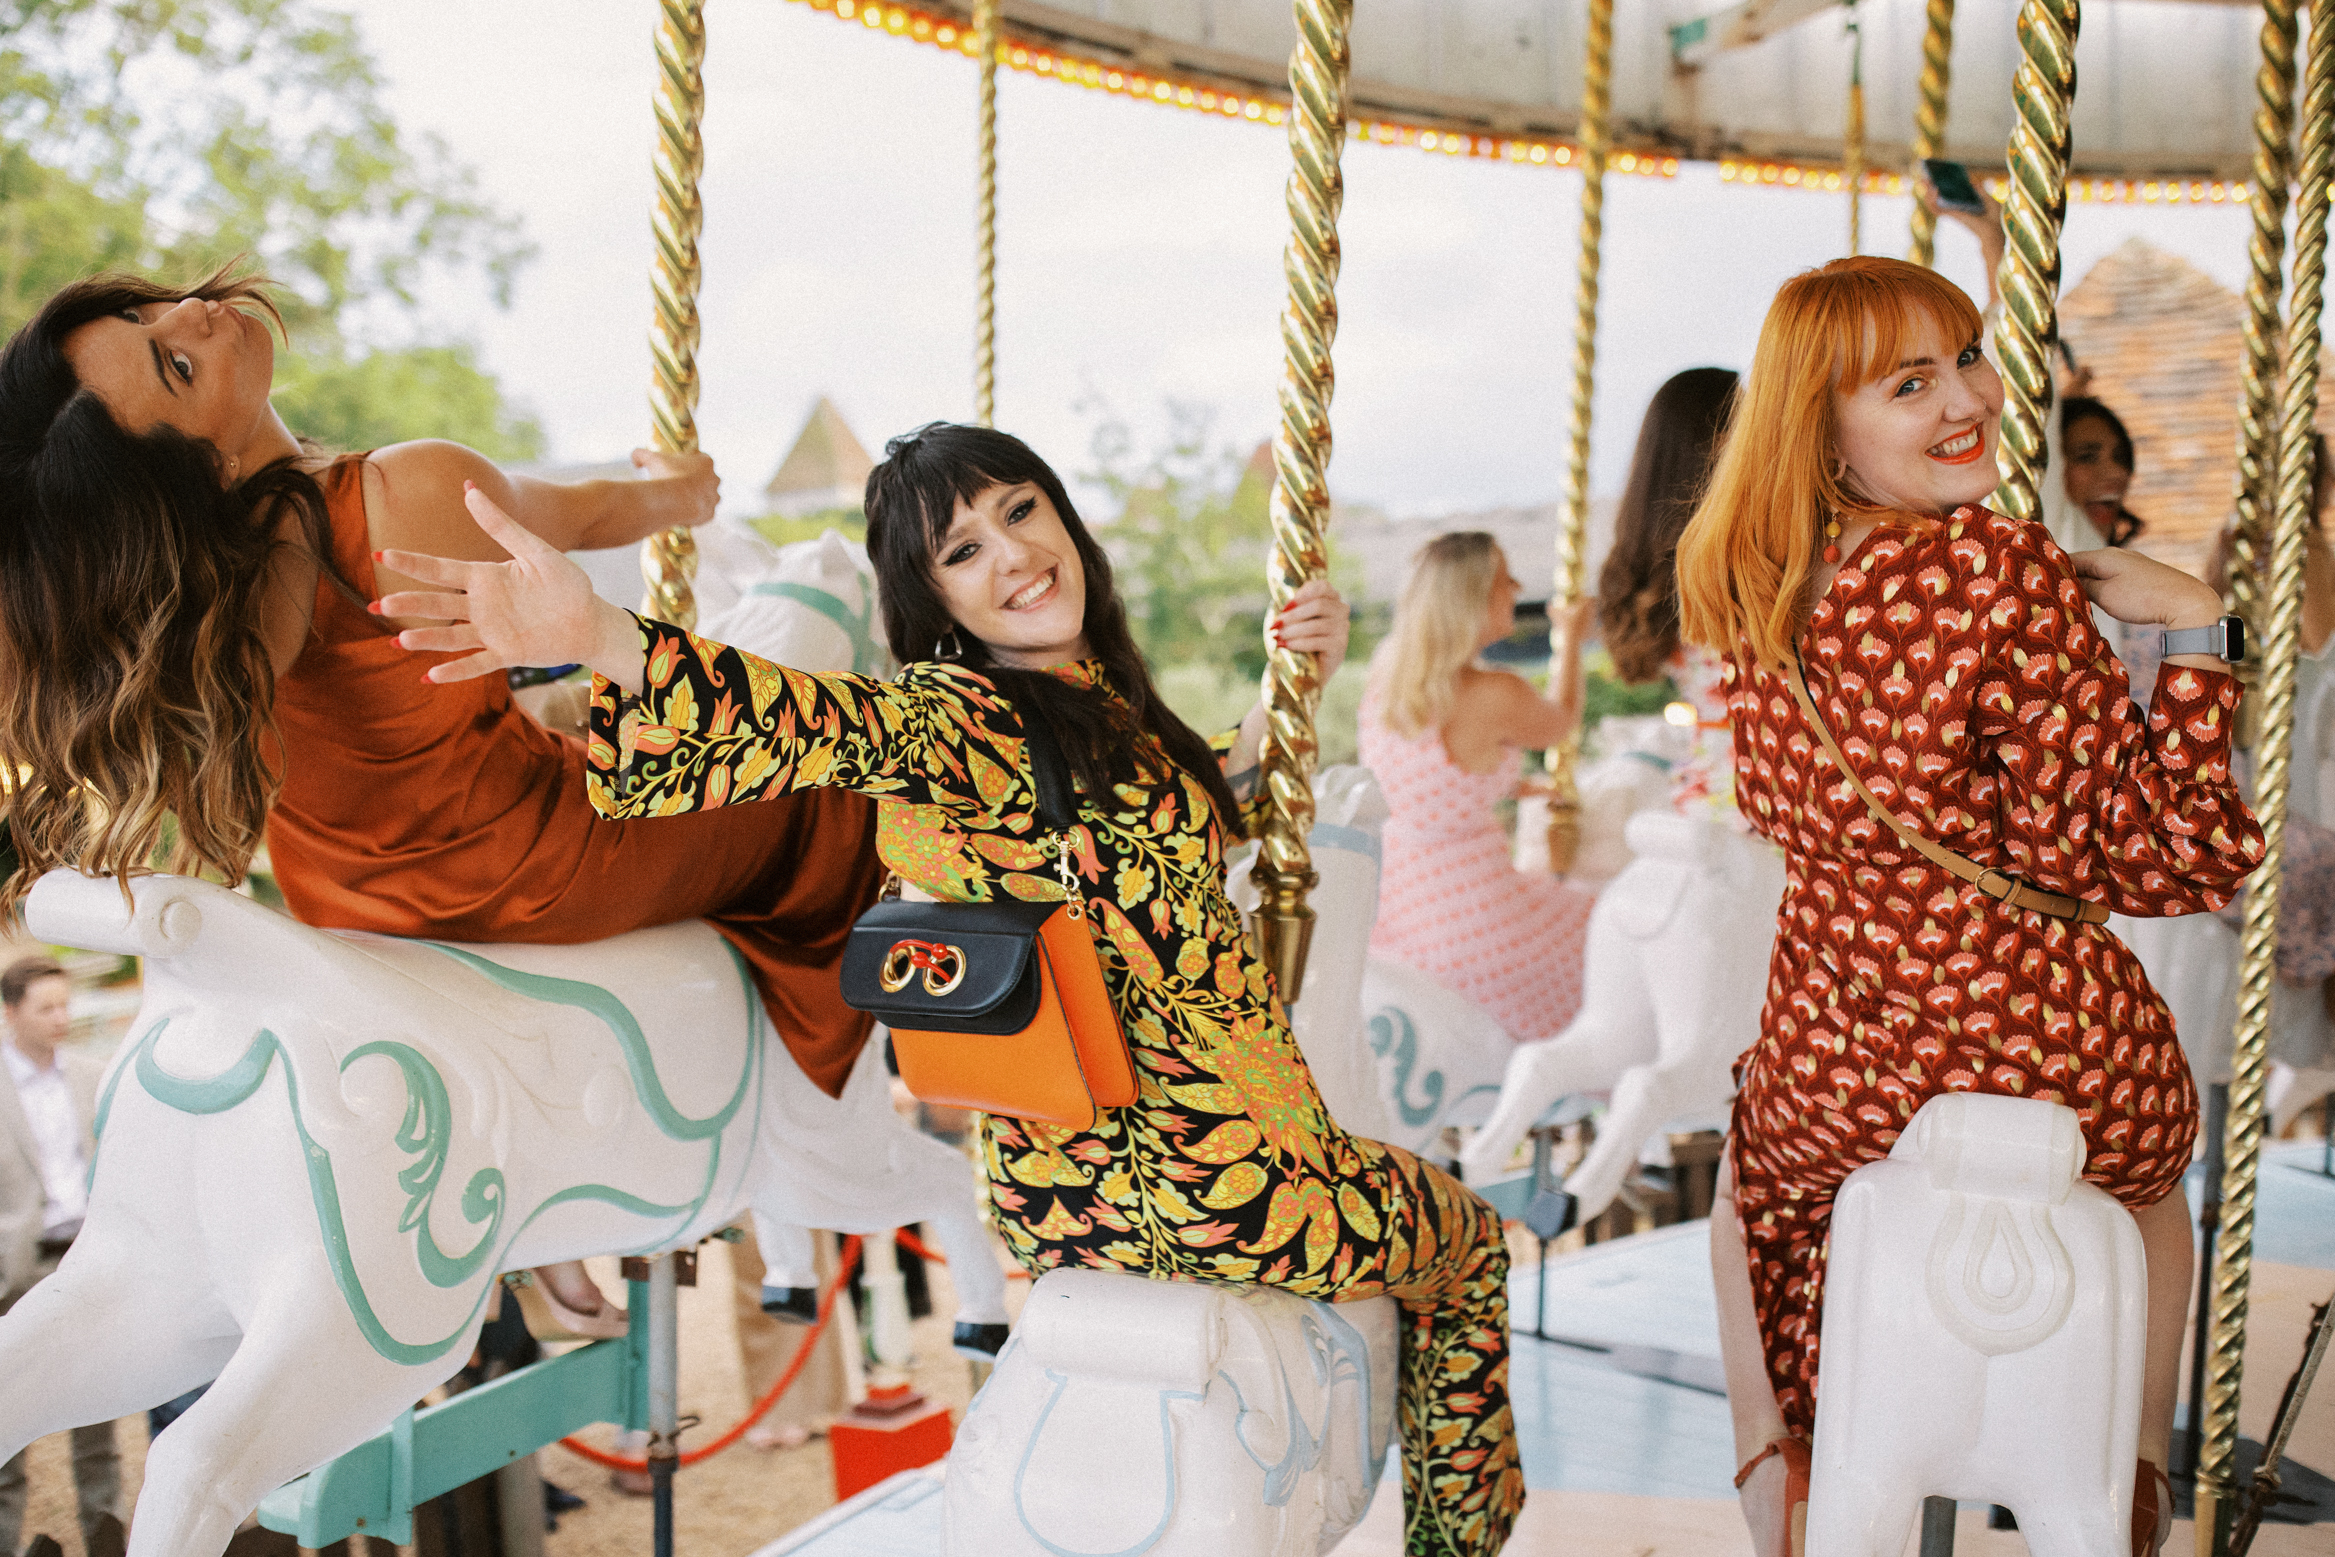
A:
(437, 1114)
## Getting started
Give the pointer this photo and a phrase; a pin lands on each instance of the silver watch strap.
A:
(2212, 640)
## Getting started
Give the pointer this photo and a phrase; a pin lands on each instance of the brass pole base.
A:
(1283, 928)
(1564, 833)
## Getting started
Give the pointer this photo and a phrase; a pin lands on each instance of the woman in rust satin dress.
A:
(1952, 653)
(187, 587)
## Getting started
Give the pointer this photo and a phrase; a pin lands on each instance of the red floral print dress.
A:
(1959, 669)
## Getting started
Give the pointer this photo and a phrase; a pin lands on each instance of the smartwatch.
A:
(2225, 639)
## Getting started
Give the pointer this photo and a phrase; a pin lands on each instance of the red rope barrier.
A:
(847, 1258)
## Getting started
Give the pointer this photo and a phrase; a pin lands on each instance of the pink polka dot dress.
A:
(1451, 904)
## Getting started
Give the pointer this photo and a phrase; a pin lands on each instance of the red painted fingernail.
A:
(373, 606)
(377, 556)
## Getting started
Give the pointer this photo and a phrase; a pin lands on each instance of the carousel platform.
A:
(1622, 1412)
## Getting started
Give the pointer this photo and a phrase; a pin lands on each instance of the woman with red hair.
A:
(1951, 657)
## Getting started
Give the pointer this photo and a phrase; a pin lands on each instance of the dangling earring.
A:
(950, 648)
(1832, 538)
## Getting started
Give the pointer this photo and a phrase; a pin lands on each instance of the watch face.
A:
(2234, 639)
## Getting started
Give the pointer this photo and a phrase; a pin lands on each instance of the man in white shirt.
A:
(48, 1100)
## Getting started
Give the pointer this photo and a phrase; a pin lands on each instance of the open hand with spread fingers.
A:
(536, 609)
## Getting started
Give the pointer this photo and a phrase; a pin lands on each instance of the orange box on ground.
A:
(891, 1431)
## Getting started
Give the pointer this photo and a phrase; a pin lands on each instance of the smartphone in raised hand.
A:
(1953, 184)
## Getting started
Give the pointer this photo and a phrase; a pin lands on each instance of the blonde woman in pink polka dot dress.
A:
(1445, 737)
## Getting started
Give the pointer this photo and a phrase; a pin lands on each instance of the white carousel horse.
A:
(1984, 1322)
(318, 1149)
(1176, 1419)
(811, 604)
(277, 1136)
(1676, 972)
(1630, 772)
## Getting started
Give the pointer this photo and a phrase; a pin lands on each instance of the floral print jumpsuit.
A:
(1959, 669)
(1227, 1167)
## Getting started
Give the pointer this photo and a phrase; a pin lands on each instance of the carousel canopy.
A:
(2164, 87)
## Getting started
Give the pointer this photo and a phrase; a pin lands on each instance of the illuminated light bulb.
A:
(1670, 167)
(1044, 65)
(1681, 714)
(2149, 191)
(1115, 80)
(1208, 101)
(921, 28)
(1184, 97)
(1021, 57)
(1252, 110)
(1726, 172)
(1427, 141)
(947, 35)
(896, 21)
(1273, 114)
(846, 8)
(1540, 154)
(1791, 175)
(1896, 184)
(1161, 92)
(1832, 181)
(1625, 162)
(1564, 155)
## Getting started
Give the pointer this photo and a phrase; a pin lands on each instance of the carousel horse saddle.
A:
(1177, 1419)
(1984, 1318)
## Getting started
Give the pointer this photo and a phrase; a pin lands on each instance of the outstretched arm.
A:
(538, 608)
(421, 487)
(716, 725)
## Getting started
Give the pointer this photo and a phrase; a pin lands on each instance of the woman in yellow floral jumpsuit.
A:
(1227, 1167)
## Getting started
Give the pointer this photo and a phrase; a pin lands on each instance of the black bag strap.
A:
(1057, 800)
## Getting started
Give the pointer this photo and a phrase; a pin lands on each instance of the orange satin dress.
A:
(445, 811)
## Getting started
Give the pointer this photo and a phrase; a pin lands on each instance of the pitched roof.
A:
(826, 457)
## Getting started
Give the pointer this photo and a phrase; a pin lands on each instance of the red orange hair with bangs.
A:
(1745, 560)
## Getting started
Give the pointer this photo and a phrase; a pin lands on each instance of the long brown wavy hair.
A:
(911, 499)
(1637, 590)
(136, 693)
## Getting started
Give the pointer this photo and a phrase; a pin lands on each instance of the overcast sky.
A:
(1140, 255)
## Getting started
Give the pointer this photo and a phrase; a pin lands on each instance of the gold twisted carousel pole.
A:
(1573, 516)
(669, 558)
(985, 272)
(1292, 689)
(2042, 91)
(2282, 583)
(2266, 254)
(1852, 160)
(1929, 119)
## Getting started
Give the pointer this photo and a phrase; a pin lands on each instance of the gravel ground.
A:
(738, 1502)
(729, 1506)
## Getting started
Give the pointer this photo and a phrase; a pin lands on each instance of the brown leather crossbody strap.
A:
(1996, 884)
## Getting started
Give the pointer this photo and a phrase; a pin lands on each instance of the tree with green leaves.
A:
(1189, 536)
(171, 136)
